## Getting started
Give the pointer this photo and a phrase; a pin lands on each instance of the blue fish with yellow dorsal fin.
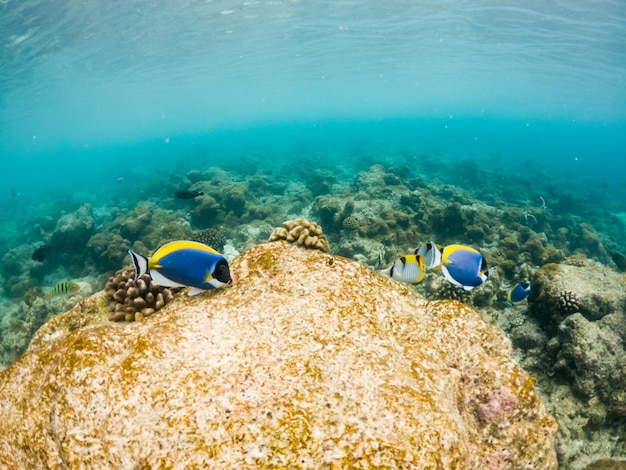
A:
(464, 266)
(184, 264)
(518, 293)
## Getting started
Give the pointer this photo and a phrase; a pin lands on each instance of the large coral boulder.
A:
(307, 361)
(592, 355)
(578, 285)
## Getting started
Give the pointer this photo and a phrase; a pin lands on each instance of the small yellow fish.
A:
(409, 268)
(64, 287)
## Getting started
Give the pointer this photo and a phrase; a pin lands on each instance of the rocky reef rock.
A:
(73, 230)
(559, 290)
(307, 360)
(593, 357)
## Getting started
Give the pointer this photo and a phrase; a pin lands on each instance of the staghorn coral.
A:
(210, 237)
(133, 301)
(301, 232)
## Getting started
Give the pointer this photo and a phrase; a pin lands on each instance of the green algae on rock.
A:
(302, 362)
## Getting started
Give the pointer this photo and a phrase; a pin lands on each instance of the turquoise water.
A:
(408, 108)
(113, 103)
(93, 92)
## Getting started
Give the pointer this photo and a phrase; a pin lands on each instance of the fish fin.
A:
(195, 291)
(163, 281)
(449, 277)
(140, 263)
(508, 304)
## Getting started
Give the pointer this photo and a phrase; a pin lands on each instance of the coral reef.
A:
(335, 367)
(350, 223)
(333, 212)
(451, 220)
(134, 301)
(437, 287)
(19, 272)
(320, 181)
(400, 201)
(72, 231)
(108, 250)
(560, 290)
(20, 321)
(573, 341)
(303, 233)
(151, 225)
(210, 237)
(593, 357)
(567, 303)
(208, 212)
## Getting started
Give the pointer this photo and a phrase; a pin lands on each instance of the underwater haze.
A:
(103, 87)
(494, 124)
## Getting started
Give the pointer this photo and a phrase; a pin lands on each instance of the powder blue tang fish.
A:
(184, 264)
(464, 266)
(518, 293)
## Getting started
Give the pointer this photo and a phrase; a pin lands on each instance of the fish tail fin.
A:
(140, 262)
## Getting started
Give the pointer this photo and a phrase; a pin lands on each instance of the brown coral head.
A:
(303, 233)
(130, 300)
(350, 223)
(567, 302)
(448, 291)
(210, 237)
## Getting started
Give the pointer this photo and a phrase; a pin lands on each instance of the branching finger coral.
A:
(301, 232)
(568, 302)
(133, 301)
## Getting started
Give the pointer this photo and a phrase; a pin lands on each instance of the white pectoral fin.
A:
(194, 291)
(162, 281)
